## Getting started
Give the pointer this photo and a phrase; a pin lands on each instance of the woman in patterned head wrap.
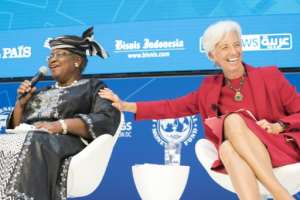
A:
(60, 115)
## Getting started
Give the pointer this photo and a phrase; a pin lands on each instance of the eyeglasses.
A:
(58, 55)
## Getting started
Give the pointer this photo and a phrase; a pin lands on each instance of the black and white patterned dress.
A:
(34, 164)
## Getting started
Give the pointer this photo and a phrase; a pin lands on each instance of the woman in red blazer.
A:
(255, 112)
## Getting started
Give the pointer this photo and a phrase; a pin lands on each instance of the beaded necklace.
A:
(62, 87)
(238, 94)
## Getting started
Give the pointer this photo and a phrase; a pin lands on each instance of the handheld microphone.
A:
(37, 77)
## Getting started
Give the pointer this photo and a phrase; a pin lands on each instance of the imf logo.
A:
(178, 130)
(4, 112)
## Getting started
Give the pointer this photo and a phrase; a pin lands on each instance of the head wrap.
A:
(84, 45)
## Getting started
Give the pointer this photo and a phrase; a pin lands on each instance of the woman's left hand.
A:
(51, 127)
(273, 128)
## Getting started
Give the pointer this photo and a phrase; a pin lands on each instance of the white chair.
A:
(160, 182)
(88, 167)
(288, 176)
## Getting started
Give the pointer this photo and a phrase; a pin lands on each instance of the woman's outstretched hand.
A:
(117, 102)
(110, 95)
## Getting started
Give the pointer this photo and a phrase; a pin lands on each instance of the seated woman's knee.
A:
(226, 150)
(232, 120)
(233, 123)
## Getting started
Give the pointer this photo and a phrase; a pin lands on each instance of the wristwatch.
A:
(283, 125)
(63, 126)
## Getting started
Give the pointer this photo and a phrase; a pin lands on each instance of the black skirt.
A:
(34, 165)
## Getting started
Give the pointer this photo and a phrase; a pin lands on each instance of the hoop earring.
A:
(76, 65)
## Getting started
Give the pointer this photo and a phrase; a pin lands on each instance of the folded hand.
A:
(273, 128)
(51, 127)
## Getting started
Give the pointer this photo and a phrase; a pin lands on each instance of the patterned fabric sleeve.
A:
(103, 117)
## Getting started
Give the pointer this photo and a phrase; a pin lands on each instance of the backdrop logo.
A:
(126, 129)
(182, 129)
(263, 42)
(267, 42)
(4, 112)
(20, 51)
(148, 48)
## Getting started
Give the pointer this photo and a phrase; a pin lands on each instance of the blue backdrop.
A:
(145, 36)
(25, 14)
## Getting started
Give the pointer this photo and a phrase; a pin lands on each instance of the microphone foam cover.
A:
(43, 70)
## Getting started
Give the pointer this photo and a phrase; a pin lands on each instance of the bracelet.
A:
(283, 125)
(63, 126)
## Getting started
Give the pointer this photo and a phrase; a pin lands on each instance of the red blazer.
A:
(275, 99)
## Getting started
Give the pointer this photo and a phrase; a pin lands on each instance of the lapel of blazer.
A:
(213, 94)
(258, 89)
(257, 86)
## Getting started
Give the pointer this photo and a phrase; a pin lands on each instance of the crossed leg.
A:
(246, 158)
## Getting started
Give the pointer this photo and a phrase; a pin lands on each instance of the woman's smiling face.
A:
(62, 64)
(228, 52)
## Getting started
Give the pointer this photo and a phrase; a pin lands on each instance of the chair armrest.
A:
(206, 153)
(88, 167)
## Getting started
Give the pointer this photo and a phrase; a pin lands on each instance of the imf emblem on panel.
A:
(171, 133)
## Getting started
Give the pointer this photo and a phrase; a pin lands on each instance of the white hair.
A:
(215, 32)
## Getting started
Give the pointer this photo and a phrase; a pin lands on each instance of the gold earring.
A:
(76, 65)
